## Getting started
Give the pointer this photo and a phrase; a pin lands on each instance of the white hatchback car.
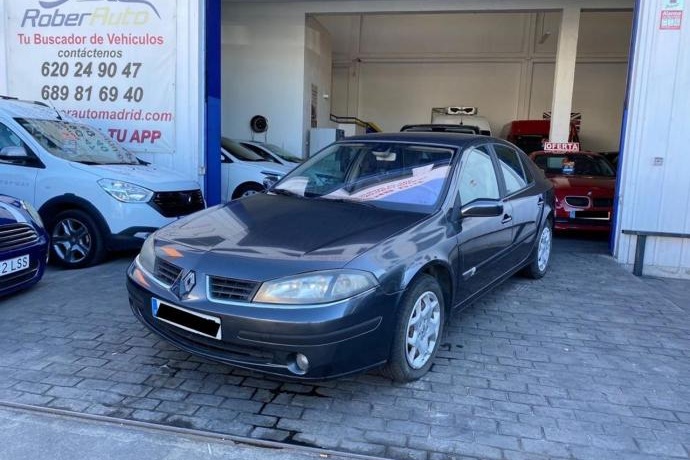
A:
(92, 194)
(244, 173)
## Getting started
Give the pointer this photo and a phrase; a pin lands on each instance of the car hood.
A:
(149, 176)
(294, 234)
(584, 182)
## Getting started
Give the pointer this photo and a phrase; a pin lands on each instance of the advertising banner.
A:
(109, 63)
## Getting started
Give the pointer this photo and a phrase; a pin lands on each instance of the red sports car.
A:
(584, 183)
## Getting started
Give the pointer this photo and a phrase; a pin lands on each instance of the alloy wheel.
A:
(71, 240)
(423, 329)
(544, 248)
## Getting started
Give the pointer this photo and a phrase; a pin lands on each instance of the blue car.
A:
(23, 245)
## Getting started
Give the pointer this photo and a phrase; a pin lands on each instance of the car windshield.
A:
(241, 153)
(76, 142)
(282, 153)
(386, 174)
(578, 164)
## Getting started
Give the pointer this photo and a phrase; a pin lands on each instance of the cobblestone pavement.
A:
(588, 363)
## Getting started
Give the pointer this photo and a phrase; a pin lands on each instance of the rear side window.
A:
(514, 174)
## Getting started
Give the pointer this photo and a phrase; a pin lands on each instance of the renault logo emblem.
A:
(188, 283)
(183, 286)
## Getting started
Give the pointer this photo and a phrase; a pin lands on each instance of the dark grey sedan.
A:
(352, 261)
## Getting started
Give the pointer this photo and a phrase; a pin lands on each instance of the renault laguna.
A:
(352, 261)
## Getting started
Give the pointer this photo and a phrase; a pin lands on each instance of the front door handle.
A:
(540, 203)
(506, 218)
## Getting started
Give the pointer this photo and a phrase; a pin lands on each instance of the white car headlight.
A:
(28, 207)
(126, 192)
(147, 255)
(315, 288)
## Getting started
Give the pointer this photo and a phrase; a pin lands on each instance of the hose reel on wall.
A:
(259, 125)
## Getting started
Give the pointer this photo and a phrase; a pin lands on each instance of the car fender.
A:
(69, 201)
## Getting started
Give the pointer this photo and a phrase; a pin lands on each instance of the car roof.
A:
(16, 108)
(452, 139)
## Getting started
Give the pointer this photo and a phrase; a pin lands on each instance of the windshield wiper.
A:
(344, 200)
(285, 192)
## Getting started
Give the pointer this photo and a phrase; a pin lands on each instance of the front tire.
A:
(542, 253)
(250, 188)
(76, 240)
(418, 331)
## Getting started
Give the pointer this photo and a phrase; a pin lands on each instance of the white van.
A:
(92, 194)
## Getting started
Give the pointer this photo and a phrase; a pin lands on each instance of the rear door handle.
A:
(540, 203)
(506, 218)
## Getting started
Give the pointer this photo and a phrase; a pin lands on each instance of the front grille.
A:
(16, 235)
(166, 272)
(177, 204)
(231, 289)
(602, 202)
(577, 201)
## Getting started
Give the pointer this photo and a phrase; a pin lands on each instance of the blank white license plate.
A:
(14, 265)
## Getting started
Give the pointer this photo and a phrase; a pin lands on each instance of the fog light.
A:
(302, 362)
(299, 364)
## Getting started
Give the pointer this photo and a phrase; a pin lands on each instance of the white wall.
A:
(501, 62)
(653, 196)
(318, 69)
(263, 68)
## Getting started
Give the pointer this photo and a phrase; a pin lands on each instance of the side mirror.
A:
(270, 179)
(482, 208)
(14, 152)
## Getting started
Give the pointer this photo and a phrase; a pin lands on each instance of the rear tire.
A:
(76, 240)
(418, 331)
(542, 253)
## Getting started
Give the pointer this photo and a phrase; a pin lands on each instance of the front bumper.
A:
(23, 279)
(589, 219)
(338, 339)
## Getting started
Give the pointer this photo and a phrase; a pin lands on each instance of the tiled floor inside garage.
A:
(588, 363)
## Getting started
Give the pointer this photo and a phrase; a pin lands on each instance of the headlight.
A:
(126, 192)
(147, 256)
(318, 287)
(32, 212)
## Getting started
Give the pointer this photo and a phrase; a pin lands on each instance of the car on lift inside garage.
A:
(244, 172)
(352, 261)
(23, 245)
(584, 184)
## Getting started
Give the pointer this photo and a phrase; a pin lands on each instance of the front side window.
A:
(8, 138)
(76, 142)
(513, 173)
(477, 177)
(386, 174)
